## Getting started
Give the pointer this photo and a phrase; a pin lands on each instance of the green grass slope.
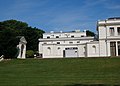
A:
(60, 72)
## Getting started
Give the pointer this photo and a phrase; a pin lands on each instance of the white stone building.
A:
(77, 44)
(109, 37)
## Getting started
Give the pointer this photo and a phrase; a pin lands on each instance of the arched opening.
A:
(94, 48)
(22, 48)
(49, 50)
(58, 51)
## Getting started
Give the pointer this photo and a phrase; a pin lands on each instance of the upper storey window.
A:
(48, 37)
(82, 36)
(72, 36)
(71, 42)
(57, 36)
(58, 42)
(111, 31)
(118, 30)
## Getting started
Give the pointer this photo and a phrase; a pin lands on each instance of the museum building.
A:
(77, 44)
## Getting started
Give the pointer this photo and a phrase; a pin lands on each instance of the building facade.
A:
(78, 44)
(109, 37)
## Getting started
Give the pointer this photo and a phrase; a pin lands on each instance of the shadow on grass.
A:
(91, 85)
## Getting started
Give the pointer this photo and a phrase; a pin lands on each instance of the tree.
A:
(8, 42)
(90, 33)
(14, 24)
(32, 35)
(10, 29)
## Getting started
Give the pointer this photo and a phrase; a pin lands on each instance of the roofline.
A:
(108, 22)
(64, 32)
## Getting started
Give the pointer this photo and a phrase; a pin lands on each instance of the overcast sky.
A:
(57, 15)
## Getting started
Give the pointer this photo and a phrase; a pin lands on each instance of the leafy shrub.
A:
(30, 53)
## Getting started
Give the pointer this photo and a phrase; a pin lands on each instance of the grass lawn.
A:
(60, 72)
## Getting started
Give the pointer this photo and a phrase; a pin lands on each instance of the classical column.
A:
(116, 48)
(116, 33)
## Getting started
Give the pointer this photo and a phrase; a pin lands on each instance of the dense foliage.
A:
(30, 53)
(10, 29)
(90, 33)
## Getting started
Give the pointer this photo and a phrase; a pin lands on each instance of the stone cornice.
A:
(65, 39)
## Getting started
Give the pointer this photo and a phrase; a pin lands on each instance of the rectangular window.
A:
(111, 31)
(48, 37)
(118, 30)
(72, 36)
(78, 41)
(57, 36)
(71, 48)
(71, 42)
(113, 48)
(82, 36)
(44, 43)
(58, 42)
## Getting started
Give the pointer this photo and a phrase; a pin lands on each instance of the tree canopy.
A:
(10, 29)
(90, 33)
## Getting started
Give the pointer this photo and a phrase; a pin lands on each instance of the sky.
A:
(60, 15)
